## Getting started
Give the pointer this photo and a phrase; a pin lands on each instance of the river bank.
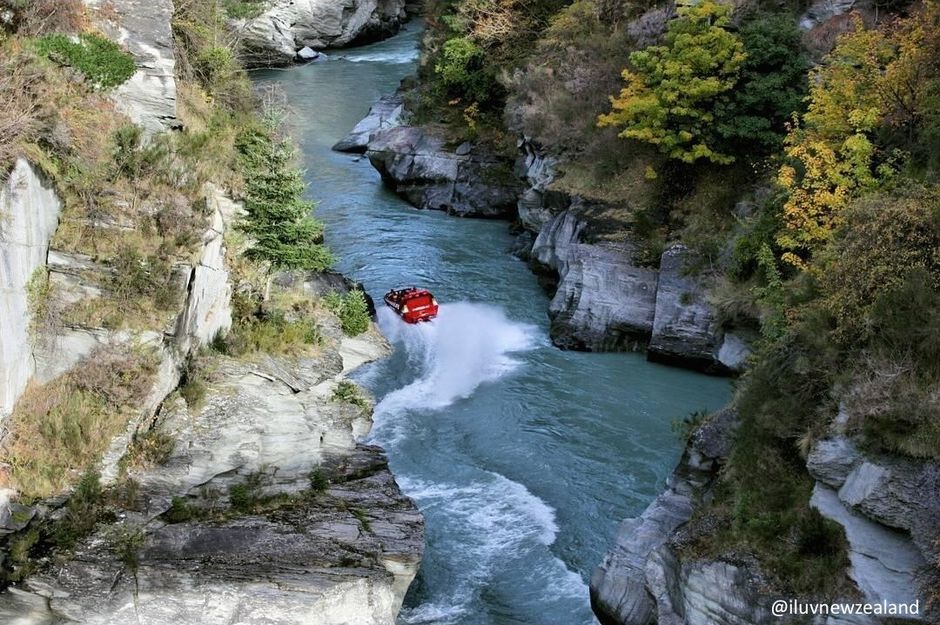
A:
(606, 292)
(181, 439)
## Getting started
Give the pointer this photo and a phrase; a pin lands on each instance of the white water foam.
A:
(393, 57)
(465, 346)
(497, 519)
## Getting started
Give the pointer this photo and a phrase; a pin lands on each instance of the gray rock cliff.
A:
(343, 553)
(29, 213)
(286, 26)
(646, 579)
(148, 98)
(603, 300)
(386, 113)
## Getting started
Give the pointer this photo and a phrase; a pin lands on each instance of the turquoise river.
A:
(523, 458)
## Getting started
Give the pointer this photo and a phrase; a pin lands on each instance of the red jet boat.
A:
(412, 304)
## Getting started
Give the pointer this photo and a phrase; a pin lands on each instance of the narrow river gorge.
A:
(523, 458)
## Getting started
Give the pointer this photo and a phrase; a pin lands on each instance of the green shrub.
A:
(18, 564)
(198, 29)
(352, 310)
(684, 427)
(363, 519)
(270, 333)
(672, 89)
(126, 542)
(243, 9)
(133, 159)
(102, 61)
(460, 70)
(244, 496)
(180, 511)
(214, 64)
(884, 239)
(43, 315)
(753, 117)
(84, 510)
(153, 447)
(319, 482)
(895, 398)
(758, 232)
(193, 392)
(350, 393)
(136, 277)
(196, 375)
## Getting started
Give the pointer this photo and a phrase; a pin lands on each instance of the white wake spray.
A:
(465, 346)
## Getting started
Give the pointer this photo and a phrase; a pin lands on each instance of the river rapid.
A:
(523, 458)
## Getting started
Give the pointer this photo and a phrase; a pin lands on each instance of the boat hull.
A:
(412, 305)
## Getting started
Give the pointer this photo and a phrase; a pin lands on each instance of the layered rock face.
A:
(417, 164)
(286, 26)
(819, 11)
(205, 308)
(341, 551)
(643, 580)
(209, 310)
(329, 536)
(537, 204)
(888, 508)
(685, 328)
(29, 213)
(604, 300)
(143, 27)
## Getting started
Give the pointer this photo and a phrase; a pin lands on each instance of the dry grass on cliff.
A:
(896, 407)
(38, 17)
(21, 91)
(60, 429)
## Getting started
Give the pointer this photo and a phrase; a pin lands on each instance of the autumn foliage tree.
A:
(672, 89)
(871, 104)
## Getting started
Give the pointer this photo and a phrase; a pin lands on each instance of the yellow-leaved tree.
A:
(873, 82)
(671, 90)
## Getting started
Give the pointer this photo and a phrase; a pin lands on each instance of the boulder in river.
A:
(273, 38)
(417, 164)
(308, 54)
(386, 113)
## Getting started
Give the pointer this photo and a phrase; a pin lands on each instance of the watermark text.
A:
(795, 607)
